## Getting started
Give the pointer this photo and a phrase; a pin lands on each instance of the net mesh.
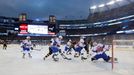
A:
(123, 44)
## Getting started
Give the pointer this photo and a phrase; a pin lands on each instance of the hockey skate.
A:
(44, 58)
(83, 58)
(67, 58)
(29, 55)
(76, 55)
(23, 56)
(92, 59)
(55, 58)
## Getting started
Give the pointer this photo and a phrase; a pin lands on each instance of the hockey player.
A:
(68, 47)
(52, 48)
(34, 45)
(55, 49)
(78, 48)
(26, 45)
(86, 43)
(99, 52)
(4, 45)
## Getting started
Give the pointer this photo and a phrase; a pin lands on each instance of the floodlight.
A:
(119, 0)
(101, 5)
(93, 7)
(111, 2)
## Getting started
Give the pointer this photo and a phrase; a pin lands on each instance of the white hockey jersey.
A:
(99, 49)
(26, 44)
(81, 43)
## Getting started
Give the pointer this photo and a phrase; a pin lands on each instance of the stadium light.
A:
(111, 2)
(118, 0)
(93, 7)
(118, 32)
(128, 31)
(101, 5)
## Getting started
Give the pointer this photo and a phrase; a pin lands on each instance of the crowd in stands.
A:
(112, 13)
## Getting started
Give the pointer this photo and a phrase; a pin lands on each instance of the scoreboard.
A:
(38, 29)
(35, 30)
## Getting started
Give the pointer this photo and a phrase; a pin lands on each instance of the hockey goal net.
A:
(123, 44)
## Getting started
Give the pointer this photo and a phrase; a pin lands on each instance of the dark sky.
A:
(43, 8)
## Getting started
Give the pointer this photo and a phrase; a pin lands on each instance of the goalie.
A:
(99, 51)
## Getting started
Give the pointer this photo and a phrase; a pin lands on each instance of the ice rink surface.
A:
(11, 63)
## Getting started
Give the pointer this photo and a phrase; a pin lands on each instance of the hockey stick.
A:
(37, 49)
(64, 57)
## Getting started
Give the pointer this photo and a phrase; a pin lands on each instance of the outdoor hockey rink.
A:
(11, 63)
